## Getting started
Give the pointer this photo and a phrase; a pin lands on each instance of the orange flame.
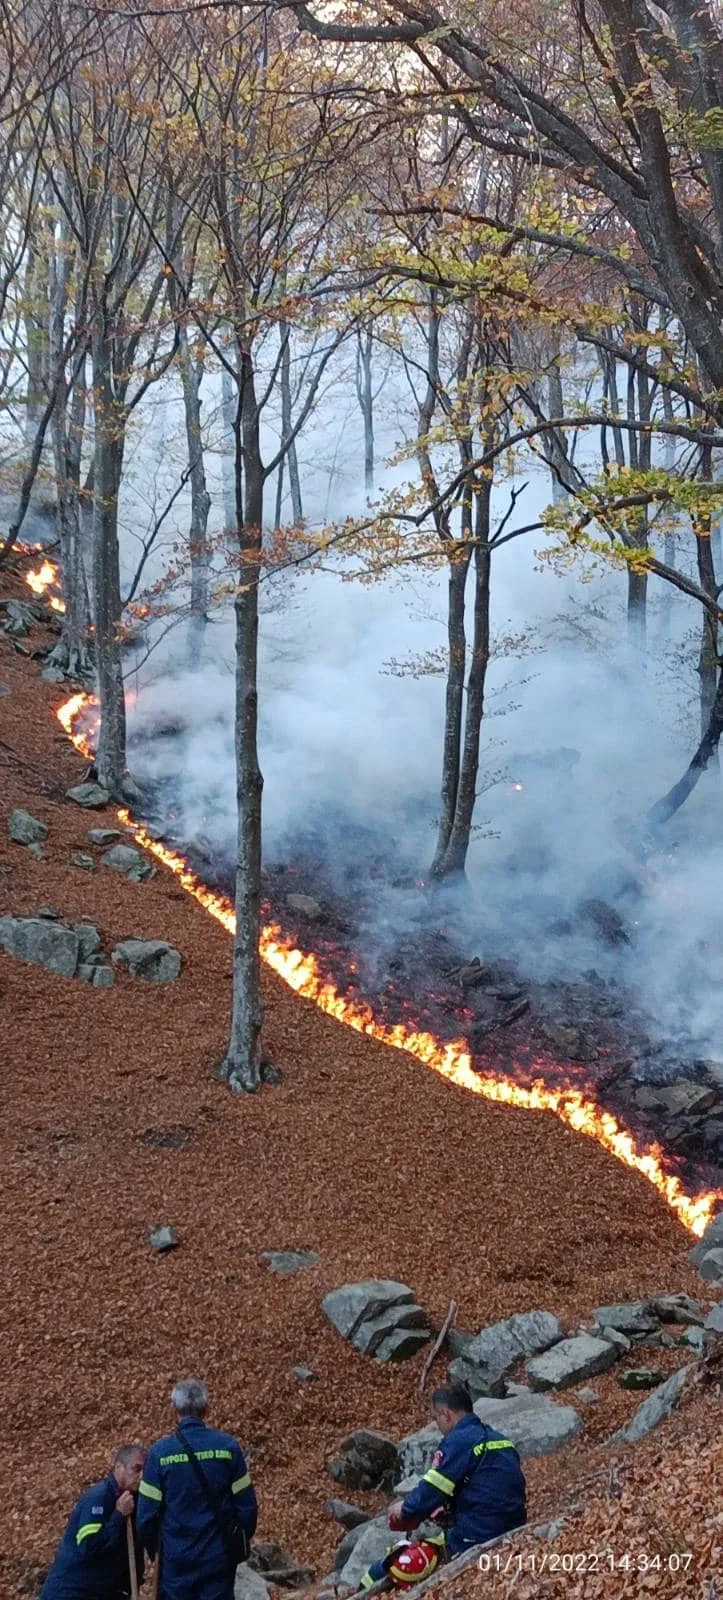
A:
(452, 1061)
(39, 579)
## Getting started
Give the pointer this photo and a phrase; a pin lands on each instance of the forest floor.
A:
(361, 1155)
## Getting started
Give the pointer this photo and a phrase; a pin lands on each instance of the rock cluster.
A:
(379, 1317)
(74, 950)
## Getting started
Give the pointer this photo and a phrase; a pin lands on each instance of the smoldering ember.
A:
(361, 853)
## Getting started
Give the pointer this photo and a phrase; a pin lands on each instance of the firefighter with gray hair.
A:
(196, 1503)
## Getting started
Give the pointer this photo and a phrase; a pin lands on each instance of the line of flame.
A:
(452, 1061)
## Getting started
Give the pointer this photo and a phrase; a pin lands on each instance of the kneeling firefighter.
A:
(475, 1488)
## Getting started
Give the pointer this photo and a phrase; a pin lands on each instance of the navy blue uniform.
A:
(477, 1479)
(173, 1513)
(91, 1561)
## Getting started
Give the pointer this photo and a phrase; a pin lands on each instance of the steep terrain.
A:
(112, 1121)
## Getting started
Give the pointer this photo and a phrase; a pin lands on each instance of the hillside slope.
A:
(361, 1155)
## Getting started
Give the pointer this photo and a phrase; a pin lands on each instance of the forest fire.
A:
(40, 579)
(452, 1060)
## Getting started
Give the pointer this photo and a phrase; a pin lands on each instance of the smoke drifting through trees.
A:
(303, 214)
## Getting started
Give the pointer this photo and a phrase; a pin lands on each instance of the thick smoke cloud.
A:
(351, 753)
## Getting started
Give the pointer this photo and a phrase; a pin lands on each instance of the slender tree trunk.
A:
(191, 376)
(666, 605)
(458, 568)
(36, 333)
(365, 396)
(242, 1065)
(456, 853)
(108, 462)
(289, 444)
(229, 464)
(638, 581)
(708, 653)
(72, 653)
(671, 802)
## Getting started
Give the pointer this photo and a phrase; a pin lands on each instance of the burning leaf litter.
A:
(300, 970)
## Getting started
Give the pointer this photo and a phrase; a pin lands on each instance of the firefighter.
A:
(91, 1562)
(196, 1504)
(475, 1487)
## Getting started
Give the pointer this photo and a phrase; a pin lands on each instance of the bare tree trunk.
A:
(228, 451)
(671, 802)
(365, 396)
(639, 453)
(287, 443)
(191, 376)
(708, 653)
(108, 461)
(456, 852)
(669, 540)
(242, 1065)
(36, 332)
(72, 654)
(459, 559)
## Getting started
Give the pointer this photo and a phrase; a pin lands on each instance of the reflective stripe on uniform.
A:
(241, 1483)
(494, 1444)
(149, 1490)
(366, 1580)
(438, 1481)
(86, 1530)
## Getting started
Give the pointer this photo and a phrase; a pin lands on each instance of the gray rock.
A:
(677, 1308)
(377, 1334)
(89, 795)
(415, 1450)
(88, 939)
(641, 1378)
(4, 689)
(103, 977)
(249, 1585)
(305, 903)
(379, 1317)
(355, 1303)
(571, 1361)
(694, 1338)
(346, 1514)
(26, 829)
(714, 1320)
(366, 1460)
(402, 1343)
(458, 1343)
(80, 860)
(35, 850)
(46, 944)
(614, 1336)
(589, 1397)
(86, 972)
(152, 959)
(496, 1349)
(284, 1262)
(629, 1317)
(366, 1544)
(536, 1424)
(123, 858)
(51, 674)
(712, 1239)
(163, 1238)
(304, 1374)
(711, 1266)
(652, 1411)
(103, 835)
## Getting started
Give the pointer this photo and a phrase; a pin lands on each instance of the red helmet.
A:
(410, 1563)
